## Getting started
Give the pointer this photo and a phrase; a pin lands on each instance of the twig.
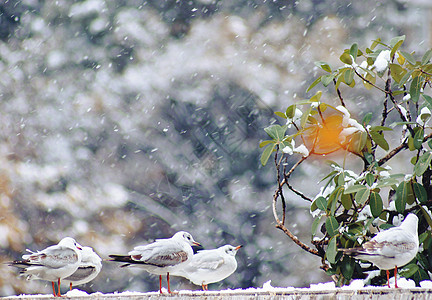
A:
(396, 150)
(368, 81)
(297, 241)
(279, 190)
(392, 153)
(297, 192)
(339, 94)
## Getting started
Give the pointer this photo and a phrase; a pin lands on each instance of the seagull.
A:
(161, 257)
(52, 264)
(209, 266)
(89, 268)
(391, 248)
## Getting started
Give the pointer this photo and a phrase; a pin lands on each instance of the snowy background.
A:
(126, 121)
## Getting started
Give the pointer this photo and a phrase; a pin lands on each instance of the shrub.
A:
(350, 205)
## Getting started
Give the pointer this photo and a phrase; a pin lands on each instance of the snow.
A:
(325, 286)
(382, 61)
(355, 285)
(424, 116)
(76, 293)
(427, 284)
(302, 150)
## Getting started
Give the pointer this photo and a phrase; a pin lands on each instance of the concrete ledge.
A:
(297, 294)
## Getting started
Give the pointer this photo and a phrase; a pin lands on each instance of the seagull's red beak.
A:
(238, 247)
(196, 243)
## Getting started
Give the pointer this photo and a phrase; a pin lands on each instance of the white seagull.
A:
(52, 264)
(391, 248)
(209, 266)
(89, 268)
(161, 257)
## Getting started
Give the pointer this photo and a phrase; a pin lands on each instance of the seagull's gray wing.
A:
(81, 273)
(54, 257)
(160, 254)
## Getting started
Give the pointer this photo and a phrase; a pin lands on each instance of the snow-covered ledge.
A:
(381, 293)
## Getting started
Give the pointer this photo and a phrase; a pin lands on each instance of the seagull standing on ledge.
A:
(209, 266)
(391, 248)
(161, 257)
(89, 268)
(53, 263)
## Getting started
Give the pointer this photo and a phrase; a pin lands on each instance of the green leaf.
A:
(405, 78)
(315, 224)
(379, 139)
(331, 250)
(397, 72)
(376, 204)
(371, 78)
(415, 88)
(321, 203)
(349, 76)
(305, 116)
(346, 58)
(280, 114)
(423, 163)
(401, 197)
(420, 275)
(347, 267)
(265, 143)
(354, 189)
(332, 226)
(399, 41)
(276, 132)
(394, 41)
(426, 57)
(420, 192)
(323, 65)
(426, 216)
(428, 100)
(354, 50)
(362, 196)
(380, 128)
(327, 79)
(367, 118)
(316, 81)
(386, 226)
(418, 138)
(387, 182)
(290, 111)
(409, 270)
(266, 154)
(346, 201)
(408, 57)
(316, 97)
(375, 43)
(370, 179)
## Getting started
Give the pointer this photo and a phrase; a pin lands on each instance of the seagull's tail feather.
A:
(359, 251)
(23, 264)
(127, 259)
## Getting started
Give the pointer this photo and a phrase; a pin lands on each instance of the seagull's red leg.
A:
(58, 283)
(53, 286)
(169, 289)
(203, 286)
(388, 278)
(395, 276)
(206, 287)
(160, 284)
(70, 286)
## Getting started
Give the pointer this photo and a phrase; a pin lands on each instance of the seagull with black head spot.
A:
(161, 257)
(52, 264)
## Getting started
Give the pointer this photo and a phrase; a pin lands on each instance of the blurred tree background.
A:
(126, 121)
